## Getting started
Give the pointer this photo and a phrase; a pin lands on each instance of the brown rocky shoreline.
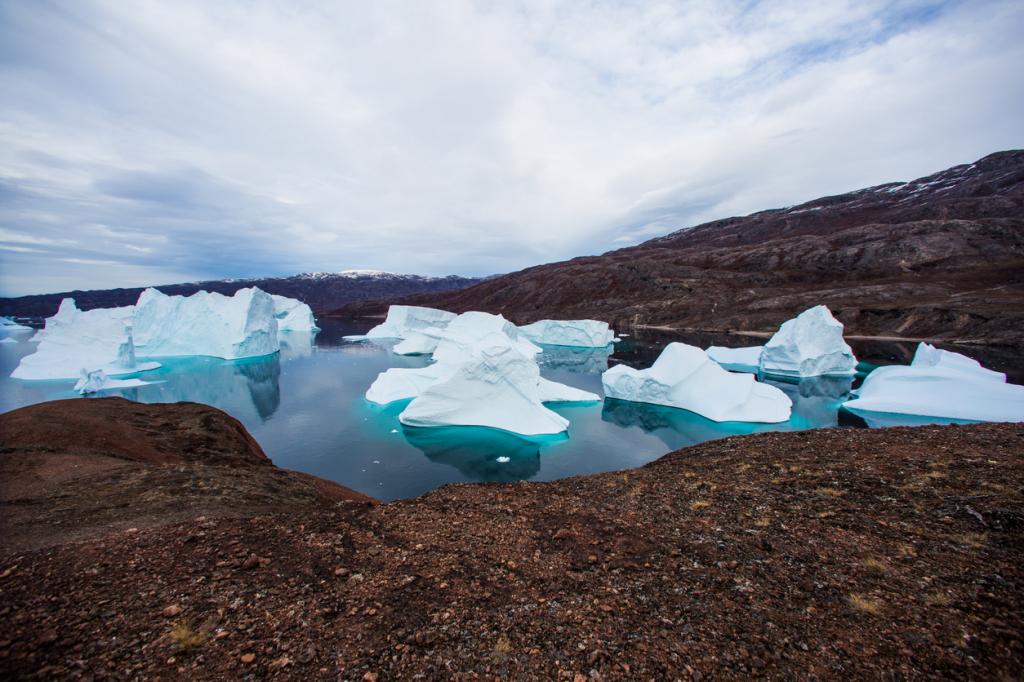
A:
(841, 553)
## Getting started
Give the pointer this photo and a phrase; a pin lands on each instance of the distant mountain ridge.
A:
(938, 257)
(321, 290)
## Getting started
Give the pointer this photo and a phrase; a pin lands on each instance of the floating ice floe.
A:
(97, 380)
(74, 340)
(582, 333)
(684, 376)
(9, 326)
(239, 326)
(811, 344)
(293, 315)
(403, 319)
(940, 384)
(746, 359)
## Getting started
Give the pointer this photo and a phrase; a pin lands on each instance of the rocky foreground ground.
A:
(830, 554)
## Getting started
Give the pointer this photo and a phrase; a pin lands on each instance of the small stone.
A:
(252, 562)
(171, 611)
(340, 571)
(356, 578)
(370, 677)
(279, 663)
(248, 658)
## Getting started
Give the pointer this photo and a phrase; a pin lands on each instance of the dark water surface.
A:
(306, 408)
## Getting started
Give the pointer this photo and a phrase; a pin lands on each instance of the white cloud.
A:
(274, 137)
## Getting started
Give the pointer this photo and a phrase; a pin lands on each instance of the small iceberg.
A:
(8, 327)
(746, 359)
(811, 344)
(685, 377)
(96, 381)
(74, 340)
(403, 319)
(580, 333)
(940, 384)
(240, 326)
(293, 315)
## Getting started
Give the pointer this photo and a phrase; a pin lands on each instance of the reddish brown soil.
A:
(77, 468)
(938, 258)
(850, 554)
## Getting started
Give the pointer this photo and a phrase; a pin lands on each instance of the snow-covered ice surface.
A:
(582, 333)
(498, 388)
(685, 377)
(73, 340)
(939, 384)
(928, 355)
(746, 359)
(230, 327)
(811, 344)
(403, 319)
(97, 380)
(293, 315)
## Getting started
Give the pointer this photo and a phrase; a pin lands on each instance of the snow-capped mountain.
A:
(321, 290)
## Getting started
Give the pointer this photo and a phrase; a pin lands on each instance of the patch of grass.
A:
(763, 522)
(972, 540)
(937, 599)
(697, 505)
(825, 514)
(502, 649)
(185, 638)
(875, 564)
(829, 492)
(905, 550)
(866, 604)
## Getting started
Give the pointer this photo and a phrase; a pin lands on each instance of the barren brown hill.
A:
(941, 257)
(833, 554)
(78, 468)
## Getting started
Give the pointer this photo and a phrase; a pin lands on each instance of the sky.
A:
(154, 142)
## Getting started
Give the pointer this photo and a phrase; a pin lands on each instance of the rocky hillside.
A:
(939, 257)
(832, 554)
(78, 468)
(321, 290)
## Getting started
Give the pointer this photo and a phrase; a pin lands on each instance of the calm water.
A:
(305, 406)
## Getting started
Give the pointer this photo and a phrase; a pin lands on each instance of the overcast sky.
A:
(154, 142)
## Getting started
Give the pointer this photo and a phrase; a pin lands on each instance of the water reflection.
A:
(296, 345)
(677, 428)
(816, 400)
(249, 389)
(475, 451)
(575, 359)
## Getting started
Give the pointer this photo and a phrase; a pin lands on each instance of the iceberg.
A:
(9, 326)
(74, 340)
(97, 380)
(419, 343)
(940, 384)
(498, 388)
(747, 359)
(582, 333)
(293, 315)
(685, 377)
(811, 344)
(403, 319)
(230, 327)
(928, 355)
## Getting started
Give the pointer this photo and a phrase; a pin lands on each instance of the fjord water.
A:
(306, 407)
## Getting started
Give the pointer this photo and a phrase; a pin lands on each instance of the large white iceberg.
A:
(293, 315)
(940, 384)
(684, 376)
(403, 319)
(583, 333)
(499, 389)
(746, 359)
(239, 326)
(75, 340)
(811, 344)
